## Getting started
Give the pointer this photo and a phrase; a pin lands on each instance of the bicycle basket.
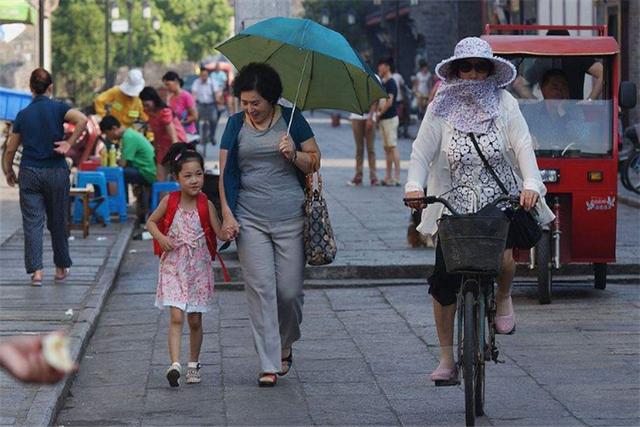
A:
(473, 243)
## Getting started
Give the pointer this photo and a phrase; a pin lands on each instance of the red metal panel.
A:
(592, 217)
(552, 45)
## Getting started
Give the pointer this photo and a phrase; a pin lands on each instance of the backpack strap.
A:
(210, 235)
(167, 219)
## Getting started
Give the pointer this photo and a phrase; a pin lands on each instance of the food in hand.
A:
(55, 348)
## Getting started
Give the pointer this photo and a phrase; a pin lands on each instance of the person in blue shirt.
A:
(262, 184)
(388, 121)
(44, 174)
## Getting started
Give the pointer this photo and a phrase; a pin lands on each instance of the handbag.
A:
(319, 242)
(525, 229)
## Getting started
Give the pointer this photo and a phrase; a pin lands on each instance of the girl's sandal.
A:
(286, 364)
(267, 379)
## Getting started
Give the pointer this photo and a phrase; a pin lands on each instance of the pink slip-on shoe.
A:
(506, 325)
(445, 376)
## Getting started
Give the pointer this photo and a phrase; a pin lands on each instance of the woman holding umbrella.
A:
(262, 191)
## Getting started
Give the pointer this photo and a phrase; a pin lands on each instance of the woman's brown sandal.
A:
(286, 364)
(267, 379)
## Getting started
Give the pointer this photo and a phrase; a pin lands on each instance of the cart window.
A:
(553, 94)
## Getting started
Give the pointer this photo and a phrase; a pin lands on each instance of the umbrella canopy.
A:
(318, 67)
(17, 12)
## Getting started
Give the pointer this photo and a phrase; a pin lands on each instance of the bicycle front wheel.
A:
(481, 356)
(469, 353)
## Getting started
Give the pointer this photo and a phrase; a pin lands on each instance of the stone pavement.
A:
(362, 360)
(28, 310)
(370, 223)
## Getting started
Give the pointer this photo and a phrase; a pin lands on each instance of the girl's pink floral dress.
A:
(186, 276)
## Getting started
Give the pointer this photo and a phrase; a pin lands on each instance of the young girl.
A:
(183, 227)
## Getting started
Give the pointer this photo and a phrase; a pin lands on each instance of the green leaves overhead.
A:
(188, 31)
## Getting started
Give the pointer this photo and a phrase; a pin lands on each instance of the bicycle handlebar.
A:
(429, 200)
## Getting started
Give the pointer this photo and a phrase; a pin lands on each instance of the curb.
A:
(48, 401)
(421, 271)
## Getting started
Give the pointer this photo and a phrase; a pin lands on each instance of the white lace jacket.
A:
(429, 163)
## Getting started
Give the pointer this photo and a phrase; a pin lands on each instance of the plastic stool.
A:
(161, 187)
(99, 204)
(118, 201)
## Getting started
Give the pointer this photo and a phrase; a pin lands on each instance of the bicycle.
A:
(630, 167)
(472, 245)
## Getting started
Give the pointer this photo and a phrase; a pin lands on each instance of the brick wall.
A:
(443, 23)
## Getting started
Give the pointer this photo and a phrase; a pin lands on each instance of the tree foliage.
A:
(189, 30)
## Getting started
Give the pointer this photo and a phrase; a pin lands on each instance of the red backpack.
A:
(202, 204)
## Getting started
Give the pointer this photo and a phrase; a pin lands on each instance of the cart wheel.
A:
(600, 276)
(543, 263)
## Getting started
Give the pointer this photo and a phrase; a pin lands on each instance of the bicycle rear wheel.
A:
(469, 351)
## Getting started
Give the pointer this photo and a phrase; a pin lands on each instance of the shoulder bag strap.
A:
(487, 165)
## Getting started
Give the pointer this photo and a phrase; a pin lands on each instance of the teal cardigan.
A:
(300, 132)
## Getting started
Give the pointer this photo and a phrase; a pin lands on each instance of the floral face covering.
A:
(468, 105)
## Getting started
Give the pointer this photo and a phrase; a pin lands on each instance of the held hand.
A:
(528, 199)
(62, 147)
(415, 195)
(11, 178)
(369, 124)
(230, 228)
(165, 243)
(286, 147)
(22, 357)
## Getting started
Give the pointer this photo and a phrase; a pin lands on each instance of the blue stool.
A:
(118, 201)
(161, 187)
(99, 204)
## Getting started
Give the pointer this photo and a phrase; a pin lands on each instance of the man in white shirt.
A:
(423, 82)
(205, 91)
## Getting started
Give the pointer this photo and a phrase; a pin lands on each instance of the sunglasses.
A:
(482, 67)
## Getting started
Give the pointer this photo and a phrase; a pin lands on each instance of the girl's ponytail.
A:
(178, 154)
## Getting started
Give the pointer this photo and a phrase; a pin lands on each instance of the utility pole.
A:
(41, 12)
(129, 34)
(107, 30)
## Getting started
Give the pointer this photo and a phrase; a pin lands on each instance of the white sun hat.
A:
(133, 84)
(473, 47)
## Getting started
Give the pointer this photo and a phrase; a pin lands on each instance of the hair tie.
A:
(177, 157)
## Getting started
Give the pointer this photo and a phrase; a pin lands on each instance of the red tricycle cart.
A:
(569, 93)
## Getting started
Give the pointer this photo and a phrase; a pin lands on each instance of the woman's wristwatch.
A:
(294, 157)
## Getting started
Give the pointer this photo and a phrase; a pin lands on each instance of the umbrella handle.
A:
(295, 101)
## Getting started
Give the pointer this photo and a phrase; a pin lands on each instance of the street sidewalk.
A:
(73, 306)
(370, 223)
(363, 360)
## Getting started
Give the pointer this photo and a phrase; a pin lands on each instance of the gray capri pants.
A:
(44, 192)
(271, 254)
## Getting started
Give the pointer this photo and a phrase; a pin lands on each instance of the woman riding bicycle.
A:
(471, 105)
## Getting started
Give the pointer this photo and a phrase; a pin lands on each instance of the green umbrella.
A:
(318, 67)
(17, 12)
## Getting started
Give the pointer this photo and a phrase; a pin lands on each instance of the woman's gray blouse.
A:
(269, 186)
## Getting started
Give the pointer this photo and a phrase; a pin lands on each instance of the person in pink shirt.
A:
(165, 126)
(181, 101)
